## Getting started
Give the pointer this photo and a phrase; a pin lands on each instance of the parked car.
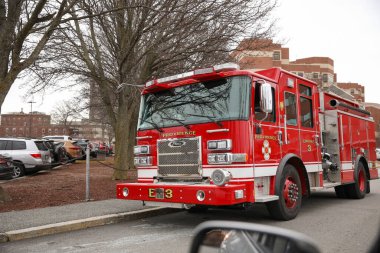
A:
(378, 154)
(29, 155)
(58, 152)
(58, 137)
(74, 151)
(6, 167)
(103, 148)
(83, 144)
(95, 148)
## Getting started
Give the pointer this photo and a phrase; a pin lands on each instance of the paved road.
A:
(337, 225)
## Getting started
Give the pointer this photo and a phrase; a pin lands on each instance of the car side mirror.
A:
(241, 237)
(266, 103)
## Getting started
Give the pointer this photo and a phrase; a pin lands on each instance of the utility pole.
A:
(31, 117)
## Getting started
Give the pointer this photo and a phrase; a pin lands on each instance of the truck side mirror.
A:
(266, 103)
(240, 237)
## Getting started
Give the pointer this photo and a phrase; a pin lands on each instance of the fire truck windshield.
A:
(211, 101)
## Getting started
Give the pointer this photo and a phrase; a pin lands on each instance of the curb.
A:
(68, 226)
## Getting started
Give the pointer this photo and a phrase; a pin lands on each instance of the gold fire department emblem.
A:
(266, 150)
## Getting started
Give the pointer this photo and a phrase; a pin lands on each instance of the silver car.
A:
(29, 155)
(378, 154)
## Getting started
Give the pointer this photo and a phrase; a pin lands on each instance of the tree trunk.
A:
(3, 195)
(125, 138)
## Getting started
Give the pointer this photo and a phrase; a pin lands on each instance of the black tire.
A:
(341, 191)
(358, 189)
(18, 169)
(197, 209)
(287, 208)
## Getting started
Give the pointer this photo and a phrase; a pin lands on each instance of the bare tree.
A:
(66, 112)
(25, 28)
(133, 41)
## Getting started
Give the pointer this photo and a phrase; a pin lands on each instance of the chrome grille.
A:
(178, 157)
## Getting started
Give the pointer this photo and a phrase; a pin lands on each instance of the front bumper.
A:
(230, 194)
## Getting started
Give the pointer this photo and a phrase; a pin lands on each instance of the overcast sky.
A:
(348, 31)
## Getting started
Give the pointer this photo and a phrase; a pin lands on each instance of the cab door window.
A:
(306, 106)
(291, 109)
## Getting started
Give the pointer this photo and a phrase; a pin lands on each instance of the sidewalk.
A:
(18, 225)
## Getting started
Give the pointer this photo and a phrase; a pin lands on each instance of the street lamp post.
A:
(31, 117)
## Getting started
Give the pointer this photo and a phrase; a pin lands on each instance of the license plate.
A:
(160, 193)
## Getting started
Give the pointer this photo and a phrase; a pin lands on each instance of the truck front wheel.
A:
(290, 195)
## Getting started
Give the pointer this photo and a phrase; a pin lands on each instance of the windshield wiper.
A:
(179, 121)
(212, 119)
(154, 125)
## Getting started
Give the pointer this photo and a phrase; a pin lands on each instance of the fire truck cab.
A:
(222, 136)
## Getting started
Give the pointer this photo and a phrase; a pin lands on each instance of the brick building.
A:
(37, 125)
(34, 125)
(356, 90)
(264, 54)
(94, 131)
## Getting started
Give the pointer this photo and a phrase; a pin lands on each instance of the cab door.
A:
(267, 151)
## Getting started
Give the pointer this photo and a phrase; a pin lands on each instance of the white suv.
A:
(29, 155)
(58, 138)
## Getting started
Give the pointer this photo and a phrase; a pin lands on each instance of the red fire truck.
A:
(222, 136)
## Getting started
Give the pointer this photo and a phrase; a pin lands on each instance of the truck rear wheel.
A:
(290, 195)
(341, 191)
(358, 189)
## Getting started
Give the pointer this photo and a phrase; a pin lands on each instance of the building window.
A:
(325, 78)
(43, 130)
(352, 91)
(300, 74)
(315, 75)
(276, 55)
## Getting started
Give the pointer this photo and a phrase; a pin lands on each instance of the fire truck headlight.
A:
(143, 161)
(141, 150)
(219, 145)
(125, 191)
(221, 177)
(226, 158)
(201, 195)
(219, 158)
